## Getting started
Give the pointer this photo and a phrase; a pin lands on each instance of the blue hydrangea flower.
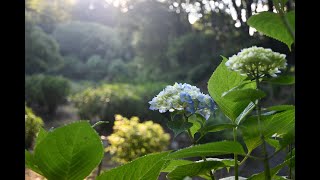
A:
(183, 97)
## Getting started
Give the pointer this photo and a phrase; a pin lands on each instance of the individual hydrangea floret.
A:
(257, 62)
(183, 97)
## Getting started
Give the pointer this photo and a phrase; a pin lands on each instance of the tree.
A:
(41, 50)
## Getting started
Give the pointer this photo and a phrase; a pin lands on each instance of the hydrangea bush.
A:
(132, 139)
(74, 150)
(33, 124)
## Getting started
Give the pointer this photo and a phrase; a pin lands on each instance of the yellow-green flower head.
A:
(257, 61)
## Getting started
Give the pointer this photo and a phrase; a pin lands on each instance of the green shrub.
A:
(32, 126)
(132, 139)
(46, 91)
(106, 100)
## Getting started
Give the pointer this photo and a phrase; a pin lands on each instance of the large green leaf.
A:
(266, 22)
(278, 123)
(69, 152)
(144, 168)
(222, 80)
(244, 94)
(194, 169)
(29, 162)
(41, 135)
(209, 149)
(217, 127)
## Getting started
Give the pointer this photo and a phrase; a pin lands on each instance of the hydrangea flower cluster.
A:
(257, 61)
(183, 97)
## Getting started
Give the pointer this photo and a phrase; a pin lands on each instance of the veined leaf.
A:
(41, 135)
(147, 167)
(194, 169)
(244, 94)
(278, 123)
(217, 127)
(222, 80)
(29, 161)
(266, 22)
(209, 149)
(69, 152)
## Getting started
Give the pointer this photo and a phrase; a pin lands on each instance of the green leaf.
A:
(281, 80)
(291, 19)
(209, 149)
(222, 80)
(197, 124)
(171, 165)
(147, 167)
(245, 112)
(194, 169)
(266, 22)
(278, 178)
(99, 123)
(29, 161)
(69, 152)
(273, 171)
(178, 126)
(279, 123)
(41, 135)
(287, 138)
(281, 108)
(217, 127)
(244, 94)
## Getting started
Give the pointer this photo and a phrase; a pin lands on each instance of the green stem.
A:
(290, 169)
(264, 148)
(194, 143)
(236, 168)
(245, 158)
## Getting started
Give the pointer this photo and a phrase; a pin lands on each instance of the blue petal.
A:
(185, 97)
(190, 108)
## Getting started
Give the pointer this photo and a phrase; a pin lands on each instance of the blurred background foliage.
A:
(33, 123)
(107, 57)
(132, 139)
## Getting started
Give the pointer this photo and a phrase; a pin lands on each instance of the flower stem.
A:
(194, 143)
(236, 166)
(264, 148)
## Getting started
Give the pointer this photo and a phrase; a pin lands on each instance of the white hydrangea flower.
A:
(257, 61)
